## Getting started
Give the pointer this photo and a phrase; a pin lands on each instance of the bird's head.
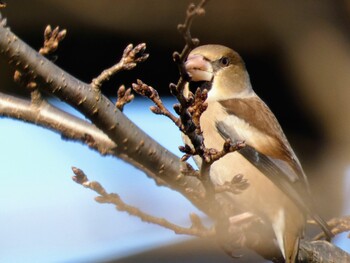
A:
(220, 70)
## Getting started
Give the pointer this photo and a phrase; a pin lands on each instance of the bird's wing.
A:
(277, 170)
(271, 141)
(270, 152)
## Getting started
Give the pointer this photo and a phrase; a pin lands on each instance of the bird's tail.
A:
(288, 231)
(291, 248)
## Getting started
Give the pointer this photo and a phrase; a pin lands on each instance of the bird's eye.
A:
(224, 61)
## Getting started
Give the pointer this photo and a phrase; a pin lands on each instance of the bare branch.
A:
(198, 106)
(188, 150)
(191, 106)
(192, 12)
(131, 56)
(337, 225)
(236, 186)
(195, 109)
(321, 251)
(124, 97)
(24, 80)
(52, 38)
(48, 116)
(212, 155)
(132, 144)
(149, 92)
(197, 228)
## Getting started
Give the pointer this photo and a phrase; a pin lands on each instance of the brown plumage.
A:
(236, 112)
(256, 113)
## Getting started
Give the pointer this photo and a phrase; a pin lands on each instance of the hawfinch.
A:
(278, 191)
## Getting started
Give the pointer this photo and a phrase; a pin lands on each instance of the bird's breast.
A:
(262, 194)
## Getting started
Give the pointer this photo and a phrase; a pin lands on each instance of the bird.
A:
(278, 191)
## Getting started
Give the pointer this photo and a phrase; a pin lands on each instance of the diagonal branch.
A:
(131, 57)
(196, 229)
(132, 144)
(48, 116)
(337, 225)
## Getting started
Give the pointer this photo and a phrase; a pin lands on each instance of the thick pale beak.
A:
(198, 68)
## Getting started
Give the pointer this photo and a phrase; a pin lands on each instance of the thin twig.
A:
(198, 106)
(131, 57)
(52, 38)
(124, 97)
(192, 12)
(190, 108)
(151, 93)
(213, 155)
(236, 186)
(185, 122)
(337, 225)
(191, 130)
(197, 228)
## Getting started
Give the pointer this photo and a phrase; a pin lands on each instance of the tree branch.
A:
(124, 97)
(50, 117)
(131, 57)
(337, 225)
(321, 252)
(197, 228)
(131, 143)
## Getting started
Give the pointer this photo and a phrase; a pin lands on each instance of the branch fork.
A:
(52, 39)
(131, 57)
(124, 97)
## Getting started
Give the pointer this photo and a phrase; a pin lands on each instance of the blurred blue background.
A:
(46, 217)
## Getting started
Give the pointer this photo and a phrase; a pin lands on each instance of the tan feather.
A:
(258, 115)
